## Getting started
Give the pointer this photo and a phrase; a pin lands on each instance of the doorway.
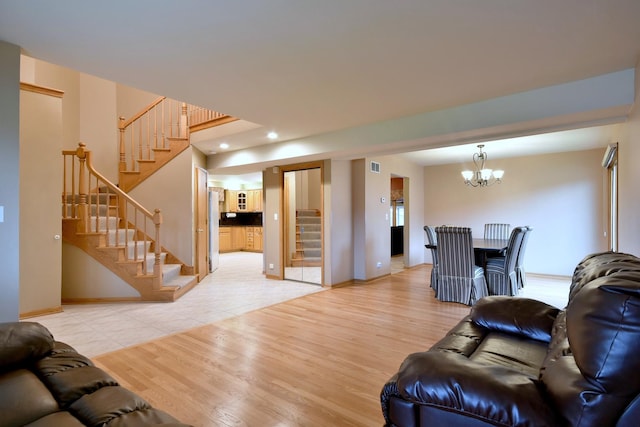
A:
(201, 222)
(303, 223)
(396, 222)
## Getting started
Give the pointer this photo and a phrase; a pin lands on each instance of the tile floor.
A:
(237, 286)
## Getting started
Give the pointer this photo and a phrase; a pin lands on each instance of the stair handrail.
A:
(77, 203)
(151, 128)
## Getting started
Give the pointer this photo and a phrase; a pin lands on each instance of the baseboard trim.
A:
(101, 300)
(42, 312)
(342, 284)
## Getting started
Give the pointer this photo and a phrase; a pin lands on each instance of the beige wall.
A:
(629, 199)
(9, 176)
(170, 190)
(98, 123)
(272, 233)
(40, 225)
(371, 209)
(85, 278)
(49, 75)
(131, 100)
(559, 195)
(338, 227)
(413, 206)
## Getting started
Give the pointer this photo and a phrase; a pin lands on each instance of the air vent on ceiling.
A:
(375, 167)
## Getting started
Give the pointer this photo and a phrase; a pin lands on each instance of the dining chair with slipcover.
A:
(501, 270)
(433, 241)
(459, 278)
(520, 273)
(497, 231)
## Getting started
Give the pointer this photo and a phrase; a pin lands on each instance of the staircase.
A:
(106, 223)
(308, 239)
(100, 217)
(157, 134)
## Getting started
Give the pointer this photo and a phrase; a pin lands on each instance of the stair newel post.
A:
(83, 210)
(183, 121)
(157, 267)
(122, 164)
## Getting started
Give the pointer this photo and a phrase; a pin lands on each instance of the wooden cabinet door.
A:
(241, 201)
(249, 238)
(231, 201)
(255, 197)
(225, 239)
(257, 239)
(238, 237)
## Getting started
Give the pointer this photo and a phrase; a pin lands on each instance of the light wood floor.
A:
(318, 360)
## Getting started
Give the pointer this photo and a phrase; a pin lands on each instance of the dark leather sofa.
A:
(520, 362)
(44, 383)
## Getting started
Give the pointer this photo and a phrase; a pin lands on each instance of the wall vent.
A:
(374, 167)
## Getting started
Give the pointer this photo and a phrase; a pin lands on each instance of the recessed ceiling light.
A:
(272, 135)
(224, 145)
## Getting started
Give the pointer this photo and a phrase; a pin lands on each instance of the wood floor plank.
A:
(318, 360)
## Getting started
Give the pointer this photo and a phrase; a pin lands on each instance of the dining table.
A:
(483, 249)
(485, 245)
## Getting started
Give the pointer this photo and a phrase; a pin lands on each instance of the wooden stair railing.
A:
(92, 206)
(158, 133)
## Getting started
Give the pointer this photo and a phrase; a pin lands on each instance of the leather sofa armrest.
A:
(23, 342)
(525, 317)
(454, 384)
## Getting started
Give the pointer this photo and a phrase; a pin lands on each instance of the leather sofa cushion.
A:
(22, 342)
(520, 316)
(494, 394)
(463, 339)
(57, 419)
(104, 405)
(511, 351)
(23, 398)
(70, 385)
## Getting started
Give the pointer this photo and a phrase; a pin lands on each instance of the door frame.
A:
(283, 208)
(201, 222)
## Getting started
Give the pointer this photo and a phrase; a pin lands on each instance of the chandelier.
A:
(482, 176)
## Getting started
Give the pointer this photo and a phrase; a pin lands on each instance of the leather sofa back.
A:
(592, 371)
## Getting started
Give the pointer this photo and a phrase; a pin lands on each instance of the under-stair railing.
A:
(100, 206)
(153, 126)
(149, 130)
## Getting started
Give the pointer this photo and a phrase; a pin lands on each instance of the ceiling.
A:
(305, 68)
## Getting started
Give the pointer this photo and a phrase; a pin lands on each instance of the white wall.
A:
(9, 176)
(559, 195)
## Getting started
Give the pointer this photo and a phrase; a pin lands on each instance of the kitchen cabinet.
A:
(240, 238)
(257, 239)
(224, 234)
(254, 239)
(243, 200)
(255, 200)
